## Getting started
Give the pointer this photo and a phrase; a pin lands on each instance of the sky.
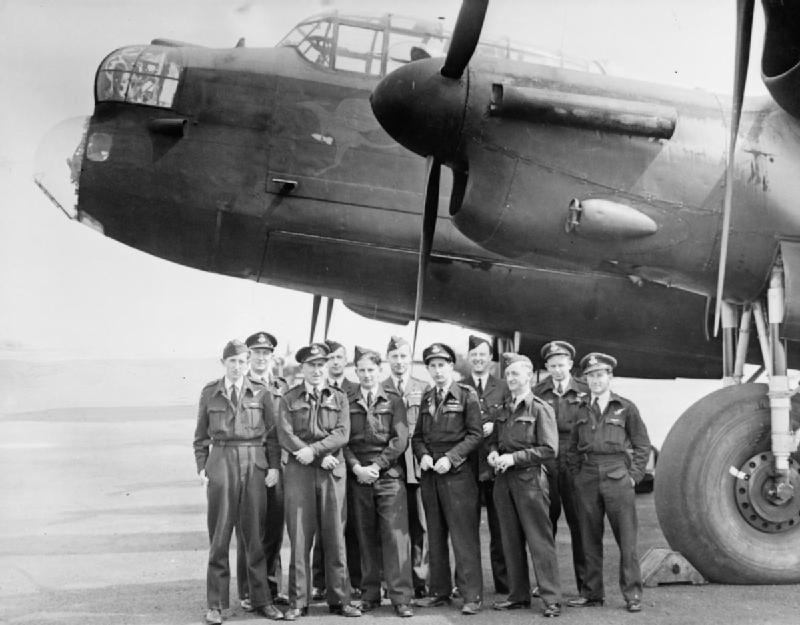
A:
(66, 291)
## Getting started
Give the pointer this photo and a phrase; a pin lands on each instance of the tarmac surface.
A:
(102, 521)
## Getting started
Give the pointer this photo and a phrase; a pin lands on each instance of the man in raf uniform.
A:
(491, 392)
(262, 345)
(525, 437)
(447, 432)
(234, 421)
(564, 394)
(337, 361)
(313, 427)
(411, 389)
(608, 452)
(376, 487)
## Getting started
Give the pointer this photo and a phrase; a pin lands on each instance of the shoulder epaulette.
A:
(210, 384)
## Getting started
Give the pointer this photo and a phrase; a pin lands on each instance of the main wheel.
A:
(713, 491)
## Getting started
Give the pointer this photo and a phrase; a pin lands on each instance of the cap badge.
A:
(593, 360)
(262, 338)
(315, 350)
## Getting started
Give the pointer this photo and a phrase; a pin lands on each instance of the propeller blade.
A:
(328, 315)
(744, 26)
(465, 37)
(433, 170)
(314, 315)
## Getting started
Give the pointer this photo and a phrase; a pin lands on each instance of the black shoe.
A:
(280, 598)
(434, 602)
(367, 605)
(554, 609)
(511, 605)
(471, 608)
(269, 611)
(318, 594)
(294, 613)
(344, 610)
(634, 606)
(420, 592)
(401, 609)
(584, 602)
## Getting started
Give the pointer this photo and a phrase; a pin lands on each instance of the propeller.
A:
(433, 173)
(315, 304)
(462, 45)
(328, 314)
(744, 25)
(465, 37)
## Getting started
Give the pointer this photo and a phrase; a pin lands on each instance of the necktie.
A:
(480, 387)
(559, 389)
(234, 396)
(439, 397)
(400, 386)
(334, 384)
(369, 399)
(596, 406)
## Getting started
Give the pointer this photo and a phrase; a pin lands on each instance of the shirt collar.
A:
(310, 389)
(239, 383)
(484, 379)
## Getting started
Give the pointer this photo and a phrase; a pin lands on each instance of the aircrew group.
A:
(379, 478)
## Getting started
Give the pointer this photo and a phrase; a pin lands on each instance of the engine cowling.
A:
(780, 61)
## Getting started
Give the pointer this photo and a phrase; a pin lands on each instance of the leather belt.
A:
(237, 443)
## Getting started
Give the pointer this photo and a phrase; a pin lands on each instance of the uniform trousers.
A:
(563, 496)
(314, 500)
(523, 504)
(604, 489)
(271, 539)
(353, 557)
(499, 572)
(236, 496)
(417, 530)
(450, 509)
(380, 520)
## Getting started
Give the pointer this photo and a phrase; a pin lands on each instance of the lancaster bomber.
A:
(652, 222)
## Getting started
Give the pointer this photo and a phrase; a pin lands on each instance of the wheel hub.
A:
(763, 501)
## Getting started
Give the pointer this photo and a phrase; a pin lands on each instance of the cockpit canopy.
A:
(377, 45)
(140, 75)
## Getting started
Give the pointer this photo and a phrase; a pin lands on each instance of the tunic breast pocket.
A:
(451, 419)
(523, 429)
(328, 416)
(298, 418)
(379, 426)
(216, 420)
(254, 414)
(614, 431)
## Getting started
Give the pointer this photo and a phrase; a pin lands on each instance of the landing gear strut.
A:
(728, 486)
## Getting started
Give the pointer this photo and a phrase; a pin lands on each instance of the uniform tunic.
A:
(491, 401)
(347, 386)
(379, 435)
(562, 485)
(453, 429)
(528, 432)
(315, 497)
(413, 390)
(273, 522)
(229, 443)
(605, 451)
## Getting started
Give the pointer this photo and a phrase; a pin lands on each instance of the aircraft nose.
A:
(421, 109)
(57, 164)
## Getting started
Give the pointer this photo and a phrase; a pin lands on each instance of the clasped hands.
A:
(367, 474)
(306, 456)
(442, 465)
(500, 462)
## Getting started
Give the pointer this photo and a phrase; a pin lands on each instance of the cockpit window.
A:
(376, 46)
(359, 50)
(140, 75)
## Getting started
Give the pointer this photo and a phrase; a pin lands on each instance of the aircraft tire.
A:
(698, 498)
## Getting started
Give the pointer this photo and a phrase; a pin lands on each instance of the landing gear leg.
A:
(728, 486)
